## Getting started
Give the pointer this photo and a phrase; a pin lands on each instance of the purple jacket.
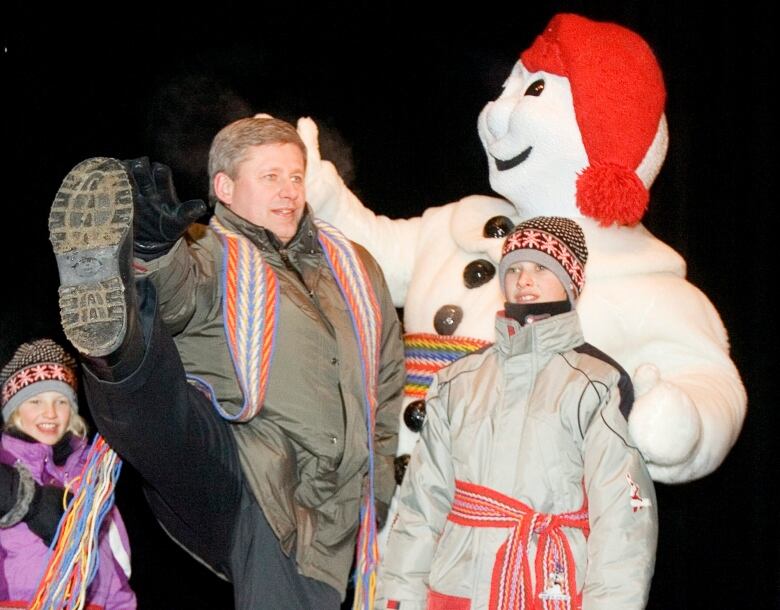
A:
(23, 556)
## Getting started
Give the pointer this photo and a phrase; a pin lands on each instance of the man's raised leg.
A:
(135, 384)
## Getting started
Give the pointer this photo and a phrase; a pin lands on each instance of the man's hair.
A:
(230, 146)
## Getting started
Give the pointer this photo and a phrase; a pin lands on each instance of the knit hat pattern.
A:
(554, 242)
(39, 366)
(619, 95)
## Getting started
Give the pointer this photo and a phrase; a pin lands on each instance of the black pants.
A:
(187, 456)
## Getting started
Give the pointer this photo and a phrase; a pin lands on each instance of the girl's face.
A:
(45, 417)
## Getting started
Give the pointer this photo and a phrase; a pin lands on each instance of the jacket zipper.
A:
(290, 267)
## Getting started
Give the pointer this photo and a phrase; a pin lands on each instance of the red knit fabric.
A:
(619, 95)
(511, 585)
(612, 194)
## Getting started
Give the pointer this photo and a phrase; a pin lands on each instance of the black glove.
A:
(45, 512)
(160, 219)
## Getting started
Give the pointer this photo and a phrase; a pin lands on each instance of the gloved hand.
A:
(160, 219)
(663, 422)
(45, 512)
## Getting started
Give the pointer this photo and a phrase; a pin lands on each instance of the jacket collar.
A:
(304, 241)
(552, 335)
(35, 452)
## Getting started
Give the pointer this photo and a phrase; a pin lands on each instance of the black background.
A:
(396, 89)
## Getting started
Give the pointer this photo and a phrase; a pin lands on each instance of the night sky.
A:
(396, 89)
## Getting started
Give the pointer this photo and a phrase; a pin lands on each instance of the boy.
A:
(525, 490)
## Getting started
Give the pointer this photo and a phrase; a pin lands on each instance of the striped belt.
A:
(511, 587)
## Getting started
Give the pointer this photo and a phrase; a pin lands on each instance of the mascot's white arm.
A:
(694, 400)
(639, 309)
(393, 243)
(411, 252)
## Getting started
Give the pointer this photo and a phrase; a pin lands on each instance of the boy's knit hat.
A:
(38, 366)
(552, 241)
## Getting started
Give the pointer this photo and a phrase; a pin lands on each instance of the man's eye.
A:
(269, 177)
(535, 88)
(297, 179)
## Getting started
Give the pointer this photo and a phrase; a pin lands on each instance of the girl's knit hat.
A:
(38, 366)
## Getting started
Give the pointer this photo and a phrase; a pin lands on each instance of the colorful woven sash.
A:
(74, 559)
(250, 310)
(511, 587)
(427, 353)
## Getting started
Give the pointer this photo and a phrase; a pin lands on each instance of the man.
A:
(274, 416)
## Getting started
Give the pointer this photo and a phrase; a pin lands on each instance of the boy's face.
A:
(45, 417)
(268, 188)
(527, 282)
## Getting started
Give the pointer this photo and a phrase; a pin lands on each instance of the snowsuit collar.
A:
(555, 334)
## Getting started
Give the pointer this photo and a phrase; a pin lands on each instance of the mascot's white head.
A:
(579, 129)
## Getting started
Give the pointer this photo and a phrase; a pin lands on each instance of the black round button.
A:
(478, 272)
(498, 226)
(447, 319)
(414, 415)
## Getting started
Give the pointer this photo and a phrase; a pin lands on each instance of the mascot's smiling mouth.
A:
(502, 165)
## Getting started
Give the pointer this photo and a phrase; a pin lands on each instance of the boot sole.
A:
(89, 222)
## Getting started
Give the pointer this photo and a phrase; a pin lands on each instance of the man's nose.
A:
(288, 188)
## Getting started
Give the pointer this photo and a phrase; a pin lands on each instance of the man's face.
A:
(267, 189)
(528, 282)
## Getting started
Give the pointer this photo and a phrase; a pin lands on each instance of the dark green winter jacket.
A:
(305, 455)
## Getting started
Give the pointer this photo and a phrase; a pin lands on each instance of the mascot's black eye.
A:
(535, 88)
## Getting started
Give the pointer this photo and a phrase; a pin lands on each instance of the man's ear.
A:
(223, 188)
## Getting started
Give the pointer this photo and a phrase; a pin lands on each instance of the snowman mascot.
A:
(578, 131)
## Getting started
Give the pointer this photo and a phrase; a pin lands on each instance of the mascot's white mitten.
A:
(664, 421)
(322, 178)
(391, 242)
(310, 135)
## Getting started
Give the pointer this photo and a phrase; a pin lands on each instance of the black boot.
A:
(90, 227)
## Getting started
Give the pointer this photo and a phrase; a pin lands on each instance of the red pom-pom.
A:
(611, 193)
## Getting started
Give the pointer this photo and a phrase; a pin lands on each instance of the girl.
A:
(44, 441)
